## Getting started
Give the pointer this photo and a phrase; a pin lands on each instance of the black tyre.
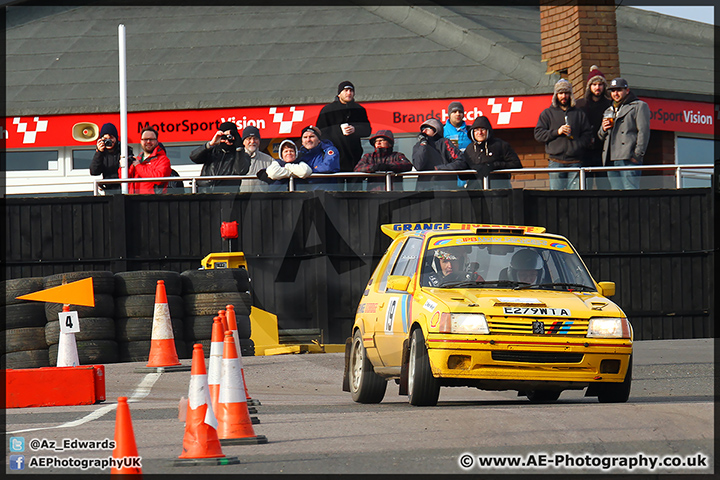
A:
(29, 314)
(135, 306)
(423, 388)
(103, 281)
(543, 396)
(140, 328)
(91, 328)
(365, 385)
(26, 359)
(29, 338)
(104, 307)
(210, 303)
(617, 392)
(144, 282)
(200, 327)
(90, 352)
(139, 351)
(215, 280)
(17, 287)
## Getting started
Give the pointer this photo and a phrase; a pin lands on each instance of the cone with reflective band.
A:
(125, 447)
(215, 362)
(234, 422)
(162, 345)
(232, 325)
(67, 354)
(201, 438)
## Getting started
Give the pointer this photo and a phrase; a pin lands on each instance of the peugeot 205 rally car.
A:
(488, 306)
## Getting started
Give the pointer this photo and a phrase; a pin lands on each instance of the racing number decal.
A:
(390, 314)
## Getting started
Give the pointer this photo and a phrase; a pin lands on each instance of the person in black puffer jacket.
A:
(485, 154)
(106, 161)
(223, 155)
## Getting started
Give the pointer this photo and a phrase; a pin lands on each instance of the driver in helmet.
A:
(526, 266)
(449, 266)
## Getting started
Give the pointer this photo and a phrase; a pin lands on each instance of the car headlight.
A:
(463, 323)
(609, 328)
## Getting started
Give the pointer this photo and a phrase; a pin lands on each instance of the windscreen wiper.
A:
(485, 283)
(552, 286)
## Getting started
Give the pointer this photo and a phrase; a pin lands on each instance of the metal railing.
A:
(390, 177)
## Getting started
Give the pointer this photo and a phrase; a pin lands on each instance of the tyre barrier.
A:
(144, 282)
(103, 281)
(91, 352)
(29, 314)
(26, 359)
(91, 328)
(17, 287)
(216, 280)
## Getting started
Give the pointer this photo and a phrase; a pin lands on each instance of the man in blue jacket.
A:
(320, 155)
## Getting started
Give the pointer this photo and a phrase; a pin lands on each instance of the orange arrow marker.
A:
(75, 293)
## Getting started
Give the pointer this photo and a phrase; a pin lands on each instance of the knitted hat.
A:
(108, 129)
(344, 85)
(456, 107)
(386, 134)
(563, 85)
(251, 131)
(315, 130)
(596, 75)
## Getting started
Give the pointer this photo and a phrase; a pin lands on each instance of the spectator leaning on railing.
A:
(320, 155)
(288, 165)
(594, 103)
(106, 161)
(152, 162)
(258, 160)
(383, 159)
(431, 152)
(222, 155)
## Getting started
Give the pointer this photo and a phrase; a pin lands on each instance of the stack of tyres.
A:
(96, 339)
(24, 327)
(208, 291)
(134, 308)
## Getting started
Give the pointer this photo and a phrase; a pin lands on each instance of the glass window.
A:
(385, 274)
(81, 159)
(694, 151)
(180, 154)
(37, 160)
(408, 260)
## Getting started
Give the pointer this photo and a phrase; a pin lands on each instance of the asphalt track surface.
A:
(313, 427)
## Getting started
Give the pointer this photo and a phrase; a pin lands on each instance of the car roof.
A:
(394, 230)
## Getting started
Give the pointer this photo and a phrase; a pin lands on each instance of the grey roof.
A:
(65, 59)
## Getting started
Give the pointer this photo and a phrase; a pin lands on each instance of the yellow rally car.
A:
(497, 307)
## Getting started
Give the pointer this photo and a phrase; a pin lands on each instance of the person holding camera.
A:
(223, 155)
(106, 160)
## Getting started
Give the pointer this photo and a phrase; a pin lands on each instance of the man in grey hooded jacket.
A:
(625, 131)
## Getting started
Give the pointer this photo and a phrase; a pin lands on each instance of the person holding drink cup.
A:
(594, 103)
(625, 132)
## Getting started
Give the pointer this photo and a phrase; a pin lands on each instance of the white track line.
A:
(142, 391)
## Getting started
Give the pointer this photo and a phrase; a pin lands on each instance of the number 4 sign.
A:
(69, 322)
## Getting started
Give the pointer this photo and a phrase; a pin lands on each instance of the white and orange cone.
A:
(232, 325)
(234, 423)
(67, 354)
(125, 450)
(215, 362)
(201, 438)
(162, 345)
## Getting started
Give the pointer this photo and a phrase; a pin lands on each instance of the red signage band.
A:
(287, 121)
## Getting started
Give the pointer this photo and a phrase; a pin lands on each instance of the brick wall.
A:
(574, 37)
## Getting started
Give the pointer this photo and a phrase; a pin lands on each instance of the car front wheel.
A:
(423, 388)
(365, 385)
(617, 392)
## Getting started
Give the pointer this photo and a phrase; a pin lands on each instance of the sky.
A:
(699, 14)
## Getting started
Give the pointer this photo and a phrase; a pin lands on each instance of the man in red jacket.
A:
(152, 162)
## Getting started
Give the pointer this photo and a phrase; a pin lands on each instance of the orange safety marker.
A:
(125, 451)
(162, 344)
(232, 325)
(74, 293)
(200, 442)
(234, 423)
(223, 318)
(215, 362)
(67, 354)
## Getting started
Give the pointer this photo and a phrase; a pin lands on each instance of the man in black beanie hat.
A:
(223, 155)
(106, 160)
(344, 122)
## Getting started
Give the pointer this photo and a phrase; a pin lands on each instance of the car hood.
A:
(497, 301)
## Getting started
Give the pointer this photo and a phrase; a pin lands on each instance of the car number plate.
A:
(537, 311)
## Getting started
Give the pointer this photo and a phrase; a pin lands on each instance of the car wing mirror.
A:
(398, 282)
(607, 289)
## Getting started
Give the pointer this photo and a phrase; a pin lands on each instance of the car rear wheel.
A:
(365, 385)
(543, 396)
(617, 392)
(423, 388)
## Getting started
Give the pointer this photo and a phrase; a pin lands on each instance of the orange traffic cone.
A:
(125, 452)
(215, 363)
(162, 345)
(232, 325)
(67, 354)
(234, 423)
(200, 443)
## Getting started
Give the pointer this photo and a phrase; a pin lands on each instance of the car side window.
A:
(382, 285)
(406, 264)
